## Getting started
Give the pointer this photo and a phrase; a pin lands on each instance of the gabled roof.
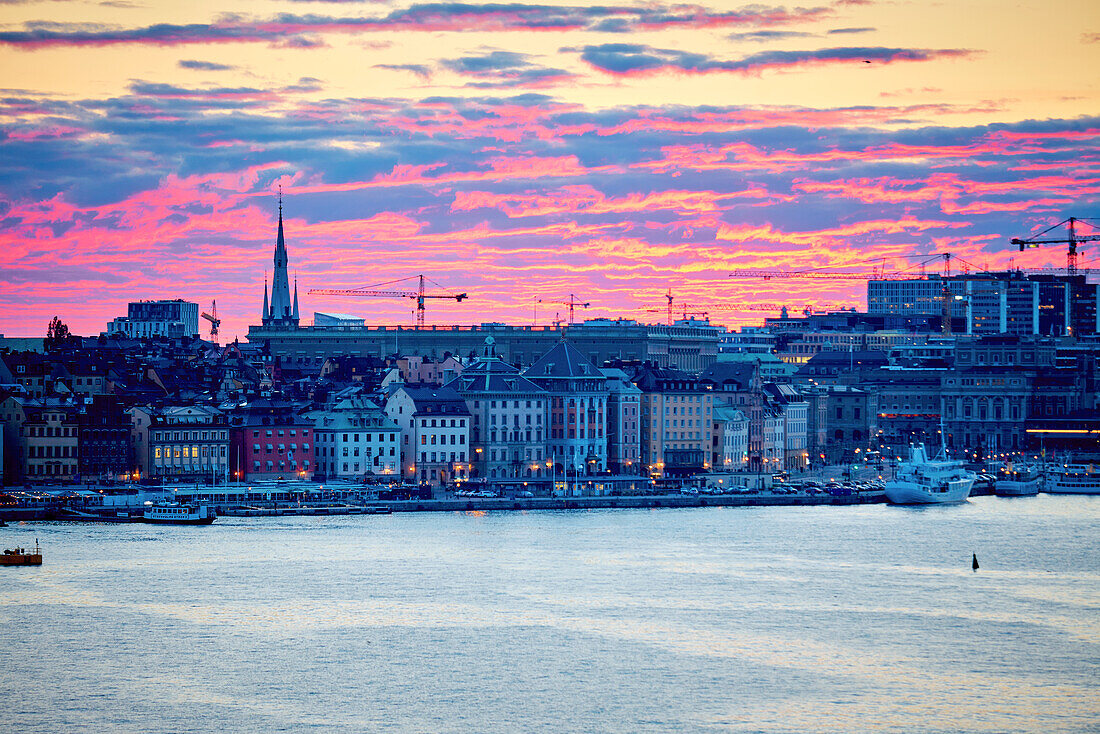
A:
(730, 374)
(563, 361)
(492, 375)
(432, 399)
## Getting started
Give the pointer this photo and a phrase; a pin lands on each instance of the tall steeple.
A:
(295, 314)
(265, 315)
(282, 312)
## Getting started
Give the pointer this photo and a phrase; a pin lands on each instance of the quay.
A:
(282, 508)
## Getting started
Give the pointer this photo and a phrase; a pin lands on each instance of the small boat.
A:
(1073, 479)
(925, 481)
(21, 556)
(1017, 480)
(175, 513)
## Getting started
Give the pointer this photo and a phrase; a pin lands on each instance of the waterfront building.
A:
(853, 425)
(623, 421)
(577, 440)
(795, 409)
(104, 438)
(730, 439)
(51, 439)
(677, 421)
(908, 405)
(270, 440)
(13, 414)
(435, 433)
(186, 443)
(508, 419)
(148, 319)
(355, 439)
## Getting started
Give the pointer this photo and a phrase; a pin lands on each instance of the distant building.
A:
(509, 412)
(172, 319)
(623, 423)
(336, 319)
(1007, 302)
(677, 421)
(268, 440)
(577, 440)
(182, 443)
(435, 433)
(355, 439)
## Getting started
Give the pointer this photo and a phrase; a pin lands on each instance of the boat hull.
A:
(188, 521)
(1010, 488)
(1056, 488)
(910, 493)
(21, 559)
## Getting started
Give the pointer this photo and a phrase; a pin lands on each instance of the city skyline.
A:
(517, 152)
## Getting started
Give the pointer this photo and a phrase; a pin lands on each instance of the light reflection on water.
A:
(718, 619)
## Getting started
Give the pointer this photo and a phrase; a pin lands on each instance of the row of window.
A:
(190, 436)
(455, 439)
(43, 452)
(442, 456)
(187, 452)
(282, 447)
(323, 451)
(293, 432)
(443, 423)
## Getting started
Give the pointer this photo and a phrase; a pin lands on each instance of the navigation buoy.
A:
(974, 565)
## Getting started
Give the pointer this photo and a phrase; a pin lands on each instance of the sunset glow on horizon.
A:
(521, 152)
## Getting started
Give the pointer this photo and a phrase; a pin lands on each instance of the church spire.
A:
(283, 311)
(265, 315)
(295, 314)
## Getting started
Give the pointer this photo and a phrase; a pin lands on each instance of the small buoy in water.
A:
(975, 563)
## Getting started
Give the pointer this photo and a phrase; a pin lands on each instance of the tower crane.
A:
(876, 274)
(571, 303)
(215, 322)
(1072, 240)
(372, 291)
(704, 310)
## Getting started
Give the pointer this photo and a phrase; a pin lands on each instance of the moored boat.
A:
(925, 481)
(1018, 480)
(22, 556)
(1073, 479)
(175, 513)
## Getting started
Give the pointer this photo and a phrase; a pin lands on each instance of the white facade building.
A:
(355, 439)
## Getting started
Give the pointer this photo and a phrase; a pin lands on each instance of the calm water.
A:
(713, 619)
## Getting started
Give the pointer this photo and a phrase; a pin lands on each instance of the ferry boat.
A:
(21, 556)
(174, 513)
(1018, 480)
(1073, 479)
(924, 481)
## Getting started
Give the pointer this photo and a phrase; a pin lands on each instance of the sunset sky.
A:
(519, 151)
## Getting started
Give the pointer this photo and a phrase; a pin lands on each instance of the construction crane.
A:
(704, 310)
(215, 322)
(372, 291)
(571, 303)
(1072, 240)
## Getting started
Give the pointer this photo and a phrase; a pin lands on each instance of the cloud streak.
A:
(624, 59)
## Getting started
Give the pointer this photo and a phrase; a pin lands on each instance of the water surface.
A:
(864, 618)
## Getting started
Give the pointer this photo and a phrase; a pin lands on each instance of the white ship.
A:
(1017, 480)
(174, 513)
(924, 481)
(1073, 479)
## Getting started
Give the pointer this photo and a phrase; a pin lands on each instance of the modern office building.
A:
(172, 319)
